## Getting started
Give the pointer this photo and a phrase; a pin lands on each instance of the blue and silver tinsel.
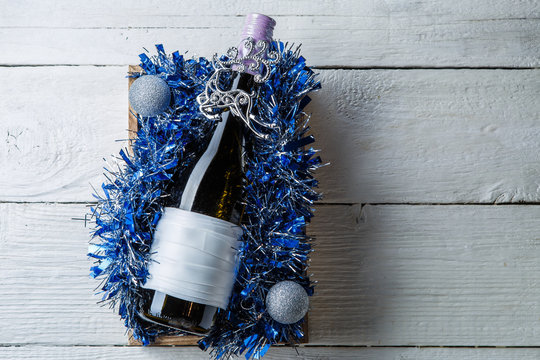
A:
(279, 194)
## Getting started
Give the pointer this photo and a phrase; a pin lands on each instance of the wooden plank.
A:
(53, 145)
(426, 275)
(348, 33)
(125, 13)
(132, 117)
(387, 275)
(410, 136)
(301, 353)
(414, 136)
(46, 292)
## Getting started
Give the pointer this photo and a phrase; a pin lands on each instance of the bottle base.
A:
(159, 321)
(178, 314)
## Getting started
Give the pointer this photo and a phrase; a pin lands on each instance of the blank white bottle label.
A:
(194, 257)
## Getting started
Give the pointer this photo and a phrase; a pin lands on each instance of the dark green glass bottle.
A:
(213, 189)
(218, 195)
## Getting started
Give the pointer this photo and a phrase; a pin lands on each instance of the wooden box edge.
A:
(168, 340)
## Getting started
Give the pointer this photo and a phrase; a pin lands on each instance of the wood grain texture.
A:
(52, 147)
(391, 275)
(412, 136)
(46, 294)
(345, 33)
(426, 275)
(275, 353)
(409, 136)
(387, 275)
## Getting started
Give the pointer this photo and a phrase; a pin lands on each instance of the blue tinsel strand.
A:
(278, 195)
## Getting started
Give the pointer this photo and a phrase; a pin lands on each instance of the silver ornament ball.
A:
(287, 302)
(149, 95)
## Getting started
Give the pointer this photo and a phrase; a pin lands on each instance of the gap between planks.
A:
(321, 67)
(311, 346)
(322, 203)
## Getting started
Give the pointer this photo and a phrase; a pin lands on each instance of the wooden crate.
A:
(187, 339)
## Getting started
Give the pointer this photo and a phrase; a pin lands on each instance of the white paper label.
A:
(194, 257)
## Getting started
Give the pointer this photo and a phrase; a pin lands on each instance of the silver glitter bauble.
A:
(287, 302)
(149, 95)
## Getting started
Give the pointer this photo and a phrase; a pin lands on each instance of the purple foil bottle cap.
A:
(258, 27)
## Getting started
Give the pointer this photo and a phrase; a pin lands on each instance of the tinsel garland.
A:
(278, 196)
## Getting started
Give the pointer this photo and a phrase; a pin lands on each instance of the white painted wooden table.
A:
(429, 234)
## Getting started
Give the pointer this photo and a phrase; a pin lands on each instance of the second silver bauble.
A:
(287, 302)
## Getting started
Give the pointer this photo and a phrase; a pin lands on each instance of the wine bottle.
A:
(194, 248)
